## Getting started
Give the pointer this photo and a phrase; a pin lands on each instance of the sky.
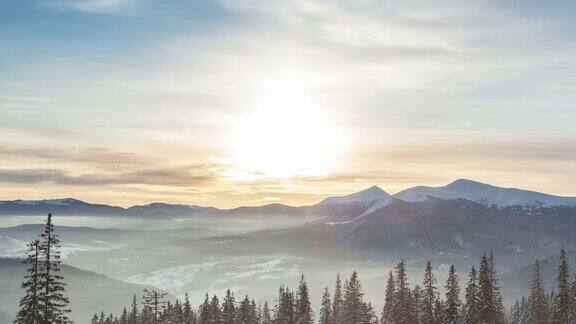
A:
(236, 102)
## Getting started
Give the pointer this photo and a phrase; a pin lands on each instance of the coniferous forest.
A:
(472, 300)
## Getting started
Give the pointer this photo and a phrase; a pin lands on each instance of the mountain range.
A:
(353, 205)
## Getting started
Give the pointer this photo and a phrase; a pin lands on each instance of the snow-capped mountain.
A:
(371, 194)
(485, 193)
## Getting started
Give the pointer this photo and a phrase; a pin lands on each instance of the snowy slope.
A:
(371, 194)
(492, 195)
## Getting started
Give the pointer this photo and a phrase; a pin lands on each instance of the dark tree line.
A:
(44, 300)
(557, 306)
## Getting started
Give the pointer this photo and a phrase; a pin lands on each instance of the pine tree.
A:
(266, 316)
(337, 303)
(304, 313)
(154, 302)
(485, 294)
(353, 300)
(389, 301)
(30, 307)
(537, 298)
(516, 314)
(205, 311)
(562, 303)
(215, 314)
(429, 296)
(124, 317)
(229, 308)
(187, 311)
(244, 311)
(369, 316)
(285, 309)
(416, 303)
(403, 306)
(326, 308)
(133, 316)
(453, 303)
(472, 315)
(54, 303)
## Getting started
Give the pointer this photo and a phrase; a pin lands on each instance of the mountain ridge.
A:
(369, 199)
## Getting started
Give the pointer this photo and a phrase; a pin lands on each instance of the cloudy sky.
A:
(239, 102)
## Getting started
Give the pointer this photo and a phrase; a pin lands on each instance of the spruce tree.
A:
(472, 315)
(153, 301)
(244, 311)
(562, 303)
(453, 303)
(369, 316)
(353, 300)
(403, 306)
(266, 316)
(516, 314)
(54, 303)
(187, 311)
(490, 300)
(124, 317)
(204, 316)
(537, 299)
(337, 303)
(30, 307)
(389, 301)
(429, 296)
(215, 314)
(133, 316)
(229, 308)
(304, 314)
(326, 308)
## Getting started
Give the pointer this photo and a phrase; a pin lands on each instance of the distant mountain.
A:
(89, 292)
(485, 193)
(166, 210)
(455, 231)
(365, 196)
(75, 207)
(343, 207)
(67, 206)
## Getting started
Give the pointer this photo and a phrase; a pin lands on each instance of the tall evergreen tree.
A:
(54, 303)
(537, 299)
(266, 316)
(204, 316)
(490, 300)
(124, 317)
(337, 303)
(304, 313)
(453, 303)
(472, 306)
(244, 312)
(187, 312)
(30, 307)
(389, 301)
(326, 308)
(133, 316)
(429, 296)
(153, 301)
(562, 302)
(229, 308)
(403, 299)
(353, 300)
(215, 314)
(369, 316)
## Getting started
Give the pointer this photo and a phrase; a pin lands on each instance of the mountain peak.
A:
(369, 194)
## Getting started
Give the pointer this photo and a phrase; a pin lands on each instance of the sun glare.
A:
(287, 135)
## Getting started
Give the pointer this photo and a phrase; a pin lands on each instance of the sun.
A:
(287, 135)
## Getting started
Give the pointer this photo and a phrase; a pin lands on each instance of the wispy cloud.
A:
(93, 6)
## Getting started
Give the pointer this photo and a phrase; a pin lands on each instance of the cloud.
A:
(189, 176)
(93, 6)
